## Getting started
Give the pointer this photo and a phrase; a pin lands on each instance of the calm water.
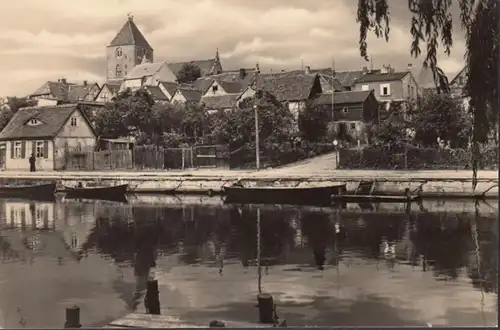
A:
(383, 265)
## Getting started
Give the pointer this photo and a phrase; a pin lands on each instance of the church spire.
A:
(217, 54)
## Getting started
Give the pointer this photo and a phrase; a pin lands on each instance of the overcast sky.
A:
(43, 40)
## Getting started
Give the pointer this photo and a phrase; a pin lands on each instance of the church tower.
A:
(126, 51)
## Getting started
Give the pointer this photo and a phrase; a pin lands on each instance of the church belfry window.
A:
(119, 52)
(125, 69)
(118, 70)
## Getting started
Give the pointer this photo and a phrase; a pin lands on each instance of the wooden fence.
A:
(148, 157)
(99, 160)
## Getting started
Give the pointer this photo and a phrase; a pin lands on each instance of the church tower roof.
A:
(130, 35)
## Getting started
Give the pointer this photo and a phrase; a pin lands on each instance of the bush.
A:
(378, 157)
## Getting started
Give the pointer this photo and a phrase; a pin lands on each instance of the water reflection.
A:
(131, 243)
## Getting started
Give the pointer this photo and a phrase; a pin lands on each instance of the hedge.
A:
(414, 158)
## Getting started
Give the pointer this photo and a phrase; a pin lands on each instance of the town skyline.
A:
(73, 45)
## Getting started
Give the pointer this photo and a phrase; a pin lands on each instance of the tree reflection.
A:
(443, 241)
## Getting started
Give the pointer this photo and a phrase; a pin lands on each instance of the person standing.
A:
(32, 163)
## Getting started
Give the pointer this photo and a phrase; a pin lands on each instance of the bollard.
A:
(152, 299)
(266, 308)
(72, 317)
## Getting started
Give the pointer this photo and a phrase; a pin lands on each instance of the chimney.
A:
(62, 80)
(243, 73)
(385, 69)
(307, 70)
(365, 70)
(85, 83)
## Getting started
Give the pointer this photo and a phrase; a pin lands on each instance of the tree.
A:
(441, 116)
(432, 23)
(237, 127)
(313, 123)
(392, 131)
(188, 73)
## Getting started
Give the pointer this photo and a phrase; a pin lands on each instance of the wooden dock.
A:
(141, 320)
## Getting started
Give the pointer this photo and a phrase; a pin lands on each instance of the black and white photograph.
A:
(249, 163)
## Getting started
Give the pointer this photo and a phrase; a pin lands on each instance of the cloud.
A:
(69, 38)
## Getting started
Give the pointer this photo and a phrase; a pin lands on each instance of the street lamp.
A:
(335, 144)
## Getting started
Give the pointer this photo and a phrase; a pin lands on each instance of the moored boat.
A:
(29, 191)
(282, 195)
(112, 193)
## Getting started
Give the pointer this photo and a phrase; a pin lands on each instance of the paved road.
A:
(321, 166)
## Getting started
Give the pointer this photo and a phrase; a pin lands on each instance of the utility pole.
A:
(256, 115)
(333, 89)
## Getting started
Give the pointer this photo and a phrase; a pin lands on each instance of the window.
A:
(385, 89)
(353, 125)
(104, 96)
(125, 69)
(215, 88)
(74, 121)
(118, 70)
(119, 53)
(365, 88)
(345, 110)
(39, 150)
(18, 149)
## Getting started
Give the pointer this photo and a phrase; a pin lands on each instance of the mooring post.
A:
(408, 194)
(72, 317)
(152, 299)
(266, 308)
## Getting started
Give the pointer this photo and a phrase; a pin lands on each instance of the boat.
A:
(29, 191)
(113, 193)
(374, 198)
(282, 195)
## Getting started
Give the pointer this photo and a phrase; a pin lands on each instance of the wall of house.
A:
(132, 84)
(128, 59)
(41, 102)
(410, 87)
(104, 95)
(396, 90)
(247, 93)
(371, 109)
(73, 138)
(210, 91)
(179, 98)
(28, 147)
(92, 93)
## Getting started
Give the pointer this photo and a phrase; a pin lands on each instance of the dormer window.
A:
(33, 122)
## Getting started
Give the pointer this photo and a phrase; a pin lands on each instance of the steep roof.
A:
(381, 77)
(171, 87)
(53, 118)
(346, 78)
(156, 93)
(287, 86)
(333, 82)
(206, 66)
(65, 90)
(220, 102)
(342, 97)
(79, 92)
(203, 83)
(145, 70)
(230, 87)
(425, 78)
(130, 35)
(461, 73)
(190, 94)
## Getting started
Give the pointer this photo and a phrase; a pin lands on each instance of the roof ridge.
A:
(66, 105)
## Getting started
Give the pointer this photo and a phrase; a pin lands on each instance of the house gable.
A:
(76, 126)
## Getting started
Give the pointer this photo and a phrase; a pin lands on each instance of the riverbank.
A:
(445, 184)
